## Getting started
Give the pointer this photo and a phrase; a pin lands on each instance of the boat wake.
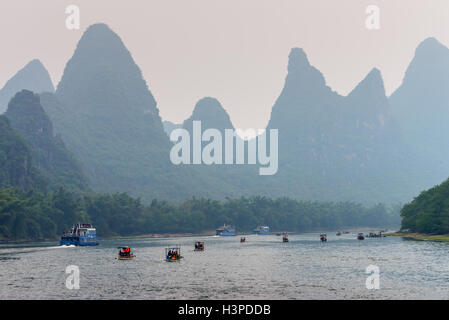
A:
(63, 246)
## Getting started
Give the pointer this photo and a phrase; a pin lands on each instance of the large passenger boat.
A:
(226, 230)
(262, 230)
(81, 234)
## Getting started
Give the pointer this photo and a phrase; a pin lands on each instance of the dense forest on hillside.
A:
(429, 212)
(33, 215)
(16, 168)
(48, 152)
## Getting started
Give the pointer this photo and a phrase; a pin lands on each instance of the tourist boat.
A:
(285, 238)
(226, 230)
(81, 234)
(375, 235)
(323, 237)
(199, 246)
(173, 254)
(360, 236)
(262, 230)
(242, 240)
(338, 233)
(125, 253)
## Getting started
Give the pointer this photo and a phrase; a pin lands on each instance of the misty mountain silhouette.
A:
(108, 118)
(211, 114)
(343, 147)
(49, 154)
(32, 77)
(421, 107)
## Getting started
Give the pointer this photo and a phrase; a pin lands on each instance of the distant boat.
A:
(81, 234)
(375, 235)
(338, 233)
(226, 230)
(262, 230)
(199, 246)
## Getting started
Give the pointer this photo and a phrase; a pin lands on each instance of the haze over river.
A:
(262, 268)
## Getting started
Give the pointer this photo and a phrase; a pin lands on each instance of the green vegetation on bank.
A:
(428, 213)
(34, 215)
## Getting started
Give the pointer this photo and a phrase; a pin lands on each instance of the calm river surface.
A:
(261, 268)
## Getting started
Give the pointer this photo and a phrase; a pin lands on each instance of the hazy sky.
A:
(233, 50)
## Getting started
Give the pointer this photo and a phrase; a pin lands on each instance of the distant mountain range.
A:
(362, 147)
(420, 107)
(338, 146)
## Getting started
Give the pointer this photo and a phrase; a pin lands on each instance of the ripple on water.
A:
(262, 268)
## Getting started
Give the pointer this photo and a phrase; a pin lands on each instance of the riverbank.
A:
(420, 236)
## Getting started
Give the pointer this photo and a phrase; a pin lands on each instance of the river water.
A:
(262, 268)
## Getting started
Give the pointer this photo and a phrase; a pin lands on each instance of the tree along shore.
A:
(33, 215)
